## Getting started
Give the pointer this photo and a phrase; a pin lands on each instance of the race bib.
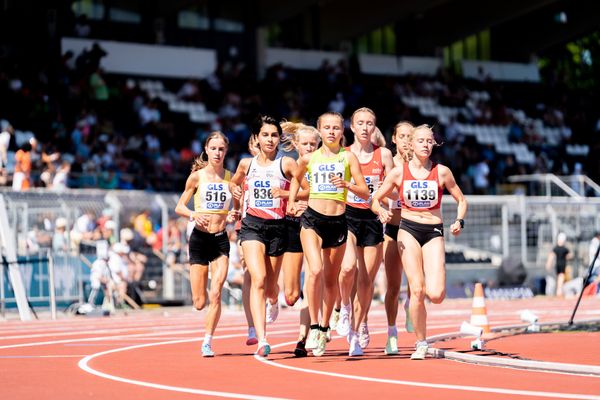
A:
(395, 204)
(420, 194)
(215, 196)
(260, 195)
(320, 178)
(372, 183)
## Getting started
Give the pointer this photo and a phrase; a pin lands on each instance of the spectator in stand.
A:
(5, 138)
(82, 27)
(22, 175)
(59, 182)
(118, 263)
(595, 276)
(142, 224)
(173, 243)
(558, 259)
(60, 239)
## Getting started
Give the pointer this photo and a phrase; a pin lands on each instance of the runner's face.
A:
(402, 136)
(363, 126)
(216, 148)
(268, 138)
(331, 129)
(423, 142)
(307, 143)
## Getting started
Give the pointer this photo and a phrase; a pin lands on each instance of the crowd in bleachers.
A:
(71, 125)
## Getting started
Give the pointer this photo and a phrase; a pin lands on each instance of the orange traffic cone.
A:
(479, 313)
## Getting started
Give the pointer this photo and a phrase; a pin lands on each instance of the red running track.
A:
(156, 355)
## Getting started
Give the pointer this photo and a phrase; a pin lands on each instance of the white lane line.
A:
(83, 364)
(47, 356)
(427, 384)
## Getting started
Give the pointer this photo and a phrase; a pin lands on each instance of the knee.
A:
(215, 296)
(393, 289)
(258, 282)
(346, 270)
(417, 293)
(437, 296)
(199, 302)
(291, 296)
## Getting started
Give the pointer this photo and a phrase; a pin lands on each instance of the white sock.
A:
(421, 343)
(207, 339)
(347, 307)
(392, 331)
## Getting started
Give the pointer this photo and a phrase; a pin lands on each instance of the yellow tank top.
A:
(212, 197)
(321, 168)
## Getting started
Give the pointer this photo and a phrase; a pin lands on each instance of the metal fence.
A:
(496, 227)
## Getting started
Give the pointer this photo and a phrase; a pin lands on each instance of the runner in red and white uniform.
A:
(420, 183)
(262, 234)
(364, 249)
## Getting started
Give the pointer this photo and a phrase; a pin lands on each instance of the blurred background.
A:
(105, 104)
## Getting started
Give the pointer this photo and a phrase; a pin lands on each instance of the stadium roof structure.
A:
(517, 28)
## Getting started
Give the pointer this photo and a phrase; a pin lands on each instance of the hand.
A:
(276, 192)
(201, 220)
(384, 215)
(233, 215)
(237, 193)
(291, 208)
(455, 228)
(338, 182)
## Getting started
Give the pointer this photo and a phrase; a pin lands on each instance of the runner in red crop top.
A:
(420, 194)
(421, 234)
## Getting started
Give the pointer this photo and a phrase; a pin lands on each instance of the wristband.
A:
(461, 222)
(192, 217)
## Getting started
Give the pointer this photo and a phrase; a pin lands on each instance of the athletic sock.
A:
(207, 338)
(392, 331)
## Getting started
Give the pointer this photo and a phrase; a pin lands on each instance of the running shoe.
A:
(328, 334)
(343, 324)
(207, 350)
(300, 350)
(408, 322)
(251, 340)
(321, 344)
(391, 346)
(313, 339)
(272, 312)
(363, 335)
(420, 352)
(355, 349)
(263, 349)
(335, 317)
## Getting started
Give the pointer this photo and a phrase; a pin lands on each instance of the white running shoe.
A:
(363, 336)
(355, 350)
(263, 348)
(420, 352)
(321, 344)
(272, 311)
(207, 350)
(251, 340)
(313, 339)
(343, 325)
(391, 346)
(335, 317)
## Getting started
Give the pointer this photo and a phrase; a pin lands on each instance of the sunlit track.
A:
(150, 356)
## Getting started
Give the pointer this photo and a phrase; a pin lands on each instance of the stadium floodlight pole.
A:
(587, 278)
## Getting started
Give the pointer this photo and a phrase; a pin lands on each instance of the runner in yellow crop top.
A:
(320, 168)
(208, 243)
(324, 229)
